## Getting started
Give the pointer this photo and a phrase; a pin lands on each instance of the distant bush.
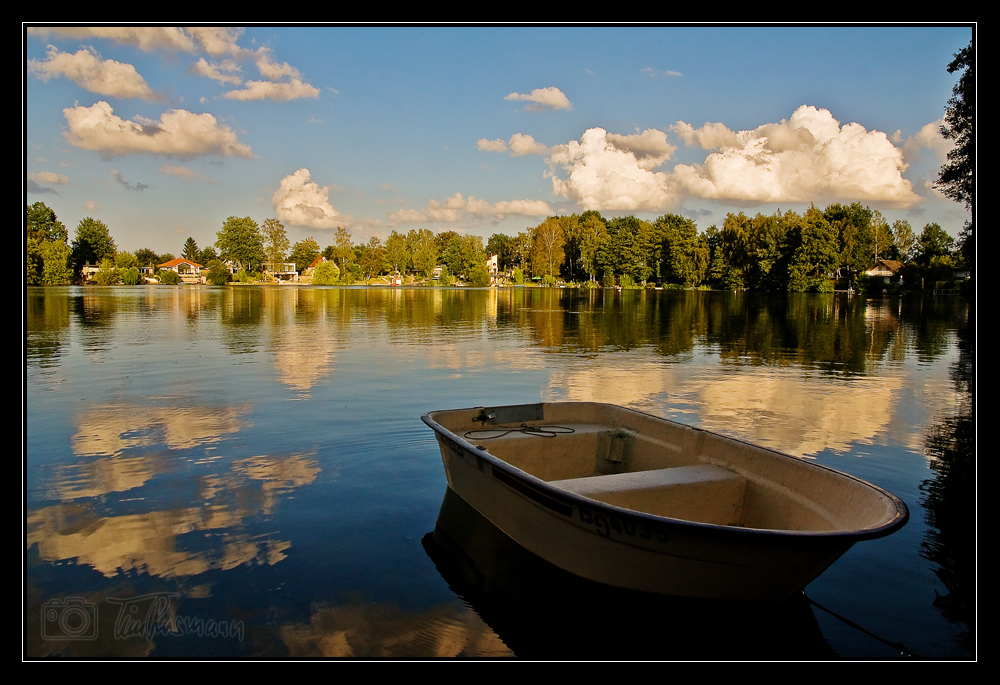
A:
(218, 274)
(627, 283)
(107, 274)
(326, 273)
(169, 277)
(131, 276)
(479, 276)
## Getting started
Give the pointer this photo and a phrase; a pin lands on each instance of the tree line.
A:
(784, 251)
(781, 251)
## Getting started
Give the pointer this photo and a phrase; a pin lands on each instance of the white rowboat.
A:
(630, 500)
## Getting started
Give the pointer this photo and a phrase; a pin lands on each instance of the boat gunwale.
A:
(891, 525)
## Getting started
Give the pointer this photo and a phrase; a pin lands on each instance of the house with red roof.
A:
(189, 271)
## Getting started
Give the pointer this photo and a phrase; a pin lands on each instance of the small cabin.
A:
(887, 269)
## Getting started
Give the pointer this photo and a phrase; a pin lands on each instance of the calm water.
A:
(238, 472)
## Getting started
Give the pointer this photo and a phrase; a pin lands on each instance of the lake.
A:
(242, 471)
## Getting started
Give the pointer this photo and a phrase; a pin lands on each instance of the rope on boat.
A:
(500, 431)
(895, 645)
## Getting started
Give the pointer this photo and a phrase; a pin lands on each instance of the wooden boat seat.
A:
(703, 492)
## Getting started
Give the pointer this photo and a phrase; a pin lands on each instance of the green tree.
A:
(190, 250)
(372, 259)
(903, 240)
(573, 235)
(146, 257)
(169, 277)
(304, 253)
(240, 242)
(56, 269)
(933, 243)
(217, 274)
(503, 247)
(205, 256)
(47, 254)
(131, 276)
(92, 245)
(717, 260)
(548, 240)
(424, 251)
(462, 253)
(396, 253)
(325, 273)
(107, 274)
(479, 276)
(608, 277)
(473, 254)
(814, 255)
(443, 240)
(683, 253)
(125, 260)
(957, 178)
(275, 241)
(42, 224)
(341, 251)
(856, 240)
(881, 236)
(628, 248)
(592, 232)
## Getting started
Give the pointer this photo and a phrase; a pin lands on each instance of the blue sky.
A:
(164, 132)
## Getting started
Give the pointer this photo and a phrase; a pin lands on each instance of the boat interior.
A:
(641, 463)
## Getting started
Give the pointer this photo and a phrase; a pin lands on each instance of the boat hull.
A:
(635, 550)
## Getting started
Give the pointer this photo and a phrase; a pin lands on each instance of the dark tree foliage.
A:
(957, 179)
(93, 243)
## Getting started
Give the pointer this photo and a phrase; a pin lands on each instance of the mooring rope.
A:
(895, 645)
(500, 431)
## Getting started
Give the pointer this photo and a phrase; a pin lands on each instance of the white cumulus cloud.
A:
(602, 176)
(928, 137)
(807, 158)
(708, 137)
(89, 71)
(522, 144)
(302, 202)
(543, 98)
(223, 72)
(146, 38)
(651, 148)
(184, 173)
(178, 133)
(519, 144)
(274, 90)
(491, 145)
(49, 177)
(458, 208)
